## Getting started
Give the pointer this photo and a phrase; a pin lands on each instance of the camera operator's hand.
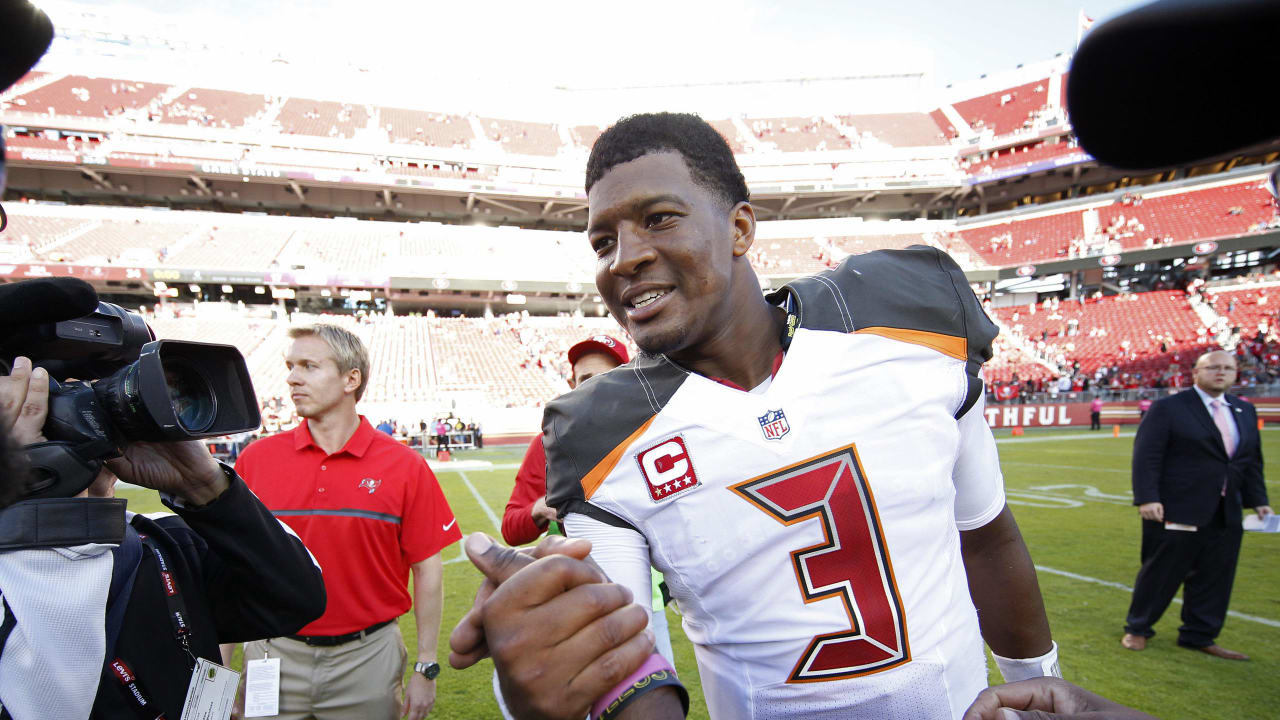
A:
(184, 469)
(24, 402)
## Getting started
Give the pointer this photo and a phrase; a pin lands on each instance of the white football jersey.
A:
(807, 530)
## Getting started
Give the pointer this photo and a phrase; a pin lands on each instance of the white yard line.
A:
(443, 467)
(497, 525)
(1099, 435)
(1121, 586)
(1064, 467)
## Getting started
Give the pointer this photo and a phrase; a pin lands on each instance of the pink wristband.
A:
(655, 664)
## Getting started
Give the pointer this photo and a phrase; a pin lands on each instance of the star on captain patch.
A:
(774, 425)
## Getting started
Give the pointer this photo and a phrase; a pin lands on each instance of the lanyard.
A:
(134, 692)
(177, 610)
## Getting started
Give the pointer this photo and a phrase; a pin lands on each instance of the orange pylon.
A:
(1115, 431)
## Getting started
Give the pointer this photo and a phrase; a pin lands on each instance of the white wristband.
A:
(1014, 670)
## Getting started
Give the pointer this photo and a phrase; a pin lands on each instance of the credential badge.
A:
(774, 425)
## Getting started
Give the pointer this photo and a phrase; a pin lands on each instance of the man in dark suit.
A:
(1197, 461)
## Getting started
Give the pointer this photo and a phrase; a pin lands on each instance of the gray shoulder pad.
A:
(918, 295)
(586, 432)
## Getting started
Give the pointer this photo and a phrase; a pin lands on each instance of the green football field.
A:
(1070, 492)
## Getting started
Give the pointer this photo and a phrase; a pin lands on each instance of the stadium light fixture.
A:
(516, 299)
(194, 288)
(227, 289)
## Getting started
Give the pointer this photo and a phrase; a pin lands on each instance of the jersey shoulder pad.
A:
(918, 294)
(587, 431)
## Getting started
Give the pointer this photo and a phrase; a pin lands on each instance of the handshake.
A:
(552, 607)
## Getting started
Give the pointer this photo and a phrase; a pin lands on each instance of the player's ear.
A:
(743, 217)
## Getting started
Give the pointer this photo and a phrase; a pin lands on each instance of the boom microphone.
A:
(45, 300)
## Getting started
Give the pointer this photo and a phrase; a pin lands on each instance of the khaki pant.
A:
(359, 680)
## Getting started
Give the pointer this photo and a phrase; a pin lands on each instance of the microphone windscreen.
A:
(45, 300)
(25, 33)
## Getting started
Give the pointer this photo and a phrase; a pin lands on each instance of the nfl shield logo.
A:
(774, 424)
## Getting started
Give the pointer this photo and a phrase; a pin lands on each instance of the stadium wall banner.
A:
(91, 273)
(1069, 414)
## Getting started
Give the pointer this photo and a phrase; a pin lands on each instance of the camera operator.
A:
(221, 570)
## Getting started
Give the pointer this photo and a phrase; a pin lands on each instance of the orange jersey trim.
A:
(949, 345)
(595, 478)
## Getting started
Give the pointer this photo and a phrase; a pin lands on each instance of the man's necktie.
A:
(1222, 418)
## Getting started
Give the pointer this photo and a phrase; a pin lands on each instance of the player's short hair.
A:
(704, 150)
(348, 352)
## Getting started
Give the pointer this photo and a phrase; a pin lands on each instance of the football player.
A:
(810, 470)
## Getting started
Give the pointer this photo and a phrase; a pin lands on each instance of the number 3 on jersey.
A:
(852, 564)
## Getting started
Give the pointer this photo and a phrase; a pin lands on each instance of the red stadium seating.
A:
(80, 96)
(1005, 111)
(729, 130)
(1024, 155)
(523, 138)
(207, 107)
(349, 247)
(236, 247)
(1248, 308)
(1188, 216)
(425, 128)
(111, 239)
(1022, 241)
(940, 119)
(1127, 331)
(322, 118)
(585, 135)
(903, 129)
(30, 234)
(796, 134)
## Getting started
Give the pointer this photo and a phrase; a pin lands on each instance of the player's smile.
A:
(643, 302)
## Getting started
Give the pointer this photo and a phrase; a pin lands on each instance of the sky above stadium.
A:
(598, 43)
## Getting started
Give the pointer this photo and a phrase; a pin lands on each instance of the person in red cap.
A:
(527, 514)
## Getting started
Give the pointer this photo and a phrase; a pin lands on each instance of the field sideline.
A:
(1070, 492)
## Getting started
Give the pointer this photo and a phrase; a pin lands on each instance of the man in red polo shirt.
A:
(370, 510)
(527, 514)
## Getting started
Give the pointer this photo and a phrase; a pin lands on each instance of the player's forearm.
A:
(1004, 588)
(428, 601)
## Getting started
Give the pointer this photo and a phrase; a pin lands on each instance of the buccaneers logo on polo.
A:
(369, 484)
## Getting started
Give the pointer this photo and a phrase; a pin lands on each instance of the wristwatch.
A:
(429, 670)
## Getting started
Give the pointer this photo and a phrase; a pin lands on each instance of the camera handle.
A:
(62, 470)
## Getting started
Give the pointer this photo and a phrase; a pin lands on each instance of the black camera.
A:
(112, 383)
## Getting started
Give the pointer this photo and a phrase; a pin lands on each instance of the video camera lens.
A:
(180, 390)
(191, 394)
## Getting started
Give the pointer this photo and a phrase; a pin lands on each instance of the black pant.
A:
(1095, 421)
(1204, 562)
